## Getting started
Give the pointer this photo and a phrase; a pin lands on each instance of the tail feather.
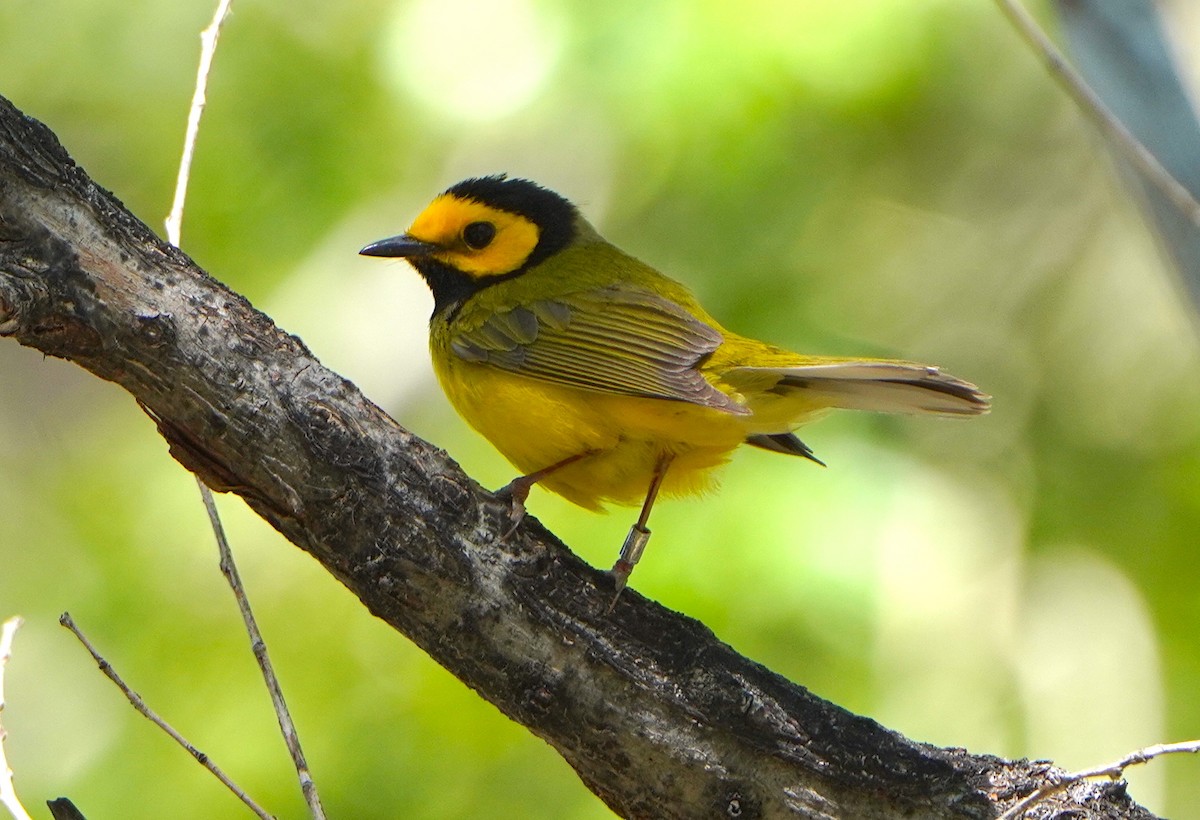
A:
(881, 386)
(785, 443)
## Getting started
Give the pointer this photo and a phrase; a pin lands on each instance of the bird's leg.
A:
(518, 489)
(639, 535)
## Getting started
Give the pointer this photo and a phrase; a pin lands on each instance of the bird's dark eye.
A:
(478, 235)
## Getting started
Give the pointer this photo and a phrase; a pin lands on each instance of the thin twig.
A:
(140, 705)
(259, 647)
(1113, 770)
(208, 48)
(208, 40)
(8, 794)
(1074, 84)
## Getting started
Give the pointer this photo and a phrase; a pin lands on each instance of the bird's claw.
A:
(516, 491)
(620, 575)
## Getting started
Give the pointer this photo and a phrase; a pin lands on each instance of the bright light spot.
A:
(470, 60)
(373, 325)
(949, 570)
(1088, 667)
(839, 49)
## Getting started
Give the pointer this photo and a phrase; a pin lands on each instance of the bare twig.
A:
(174, 223)
(1074, 84)
(259, 647)
(208, 48)
(140, 705)
(8, 795)
(1113, 770)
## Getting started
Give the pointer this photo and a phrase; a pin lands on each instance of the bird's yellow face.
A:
(480, 233)
(475, 238)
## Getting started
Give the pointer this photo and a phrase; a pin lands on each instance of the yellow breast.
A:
(536, 424)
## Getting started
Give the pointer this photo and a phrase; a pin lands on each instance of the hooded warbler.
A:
(602, 379)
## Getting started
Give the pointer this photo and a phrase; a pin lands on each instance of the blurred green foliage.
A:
(877, 177)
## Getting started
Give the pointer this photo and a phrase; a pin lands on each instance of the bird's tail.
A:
(881, 386)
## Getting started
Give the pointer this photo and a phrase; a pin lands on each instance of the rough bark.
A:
(659, 718)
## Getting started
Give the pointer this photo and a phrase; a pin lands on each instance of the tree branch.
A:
(658, 717)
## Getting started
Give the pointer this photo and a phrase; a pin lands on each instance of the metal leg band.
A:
(634, 546)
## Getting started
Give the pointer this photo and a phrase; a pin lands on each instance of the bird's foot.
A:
(631, 553)
(516, 491)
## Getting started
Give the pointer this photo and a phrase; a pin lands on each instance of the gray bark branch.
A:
(659, 718)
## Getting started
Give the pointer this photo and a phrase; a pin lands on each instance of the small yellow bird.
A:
(602, 379)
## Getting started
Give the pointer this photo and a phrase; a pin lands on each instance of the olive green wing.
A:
(617, 339)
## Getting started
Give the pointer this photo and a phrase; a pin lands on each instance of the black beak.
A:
(403, 245)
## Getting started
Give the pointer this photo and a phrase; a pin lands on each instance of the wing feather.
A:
(617, 339)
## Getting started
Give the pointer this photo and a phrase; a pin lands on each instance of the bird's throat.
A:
(451, 287)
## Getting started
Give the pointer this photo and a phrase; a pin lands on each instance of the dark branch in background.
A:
(1139, 155)
(658, 717)
(1122, 51)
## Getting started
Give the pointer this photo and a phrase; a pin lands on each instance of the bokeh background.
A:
(876, 177)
